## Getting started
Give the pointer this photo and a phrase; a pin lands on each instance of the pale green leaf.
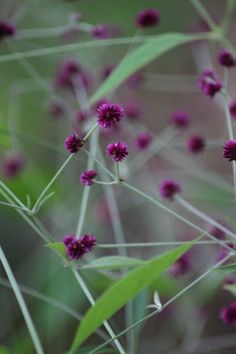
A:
(141, 56)
(59, 248)
(123, 290)
(113, 262)
(231, 288)
(227, 268)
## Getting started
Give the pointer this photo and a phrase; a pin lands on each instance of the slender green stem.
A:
(90, 132)
(92, 302)
(109, 183)
(204, 14)
(38, 201)
(21, 302)
(183, 291)
(172, 212)
(203, 216)
(155, 244)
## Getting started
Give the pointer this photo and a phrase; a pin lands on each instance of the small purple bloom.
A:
(135, 80)
(6, 29)
(169, 188)
(76, 248)
(73, 143)
(225, 58)
(196, 144)
(107, 70)
(209, 83)
(228, 314)
(147, 18)
(100, 31)
(180, 119)
(143, 140)
(68, 72)
(13, 164)
(86, 178)
(229, 150)
(81, 116)
(108, 114)
(118, 151)
(232, 109)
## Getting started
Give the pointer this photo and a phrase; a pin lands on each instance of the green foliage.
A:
(124, 290)
(227, 268)
(59, 248)
(113, 262)
(140, 57)
(231, 288)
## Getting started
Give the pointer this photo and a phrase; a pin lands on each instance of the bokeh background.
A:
(192, 324)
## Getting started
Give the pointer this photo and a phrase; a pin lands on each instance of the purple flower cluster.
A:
(169, 188)
(6, 29)
(180, 119)
(232, 108)
(196, 144)
(109, 114)
(148, 18)
(118, 151)
(209, 83)
(143, 140)
(229, 150)
(73, 143)
(228, 314)
(225, 58)
(77, 248)
(181, 266)
(68, 72)
(86, 178)
(13, 164)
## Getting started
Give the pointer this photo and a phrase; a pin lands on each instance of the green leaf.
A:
(113, 262)
(227, 268)
(231, 288)
(141, 56)
(3, 350)
(59, 248)
(124, 290)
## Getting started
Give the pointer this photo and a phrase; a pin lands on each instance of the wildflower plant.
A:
(134, 210)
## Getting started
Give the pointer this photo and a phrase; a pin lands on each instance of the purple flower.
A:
(196, 144)
(143, 140)
(181, 266)
(135, 80)
(100, 31)
(225, 58)
(107, 70)
(118, 151)
(108, 114)
(81, 116)
(76, 248)
(56, 109)
(132, 109)
(209, 83)
(180, 119)
(13, 165)
(229, 150)
(73, 143)
(6, 29)
(68, 72)
(86, 178)
(147, 18)
(228, 314)
(232, 108)
(169, 188)
(216, 232)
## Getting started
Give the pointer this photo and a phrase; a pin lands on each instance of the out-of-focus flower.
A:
(13, 165)
(209, 83)
(107, 70)
(77, 248)
(180, 119)
(232, 108)
(56, 109)
(69, 72)
(229, 150)
(181, 266)
(228, 314)
(143, 140)
(86, 178)
(108, 114)
(6, 29)
(118, 151)
(147, 18)
(169, 188)
(226, 58)
(100, 31)
(73, 143)
(196, 144)
(132, 109)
